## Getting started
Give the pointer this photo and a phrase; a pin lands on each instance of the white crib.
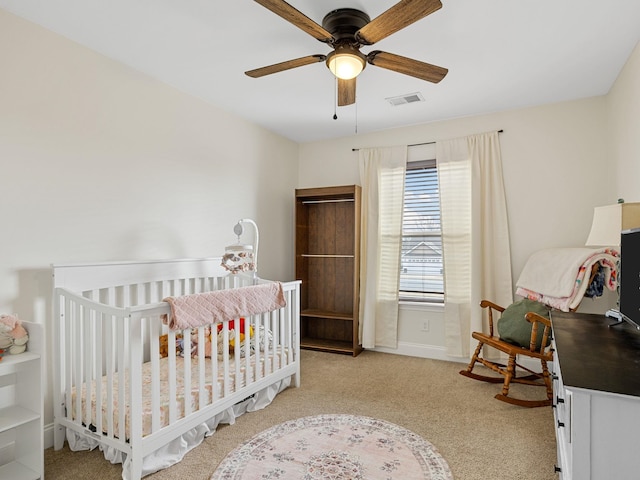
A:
(108, 324)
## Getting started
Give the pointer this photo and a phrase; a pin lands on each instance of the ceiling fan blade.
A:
(401, 15)
(300, 20)
(408, 66)
(346, 92)
(279, 67)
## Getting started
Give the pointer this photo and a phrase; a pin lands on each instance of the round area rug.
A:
(334, 447)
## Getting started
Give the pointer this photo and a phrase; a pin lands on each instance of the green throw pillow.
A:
(514, 328)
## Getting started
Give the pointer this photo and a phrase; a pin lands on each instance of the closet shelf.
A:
(324, 314)
(325, 255)
(324, 345)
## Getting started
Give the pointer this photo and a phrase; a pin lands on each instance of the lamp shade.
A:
(610, 220)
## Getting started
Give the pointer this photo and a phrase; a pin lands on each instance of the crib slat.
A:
(121, 370)
(255, 347)
(154, 334)
(186, 379)
(225, 359)
(283, 331)
(68, 356)
(135, 360)
(248, 373)
(87, 340)
(236, 356)
(276, 319)
(275, 327)
(202, 396)
(78, 362)
(215, 388)
(110, 367)
(172, 377)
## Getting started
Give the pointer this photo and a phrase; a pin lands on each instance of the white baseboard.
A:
(48, 436)
(434, 352)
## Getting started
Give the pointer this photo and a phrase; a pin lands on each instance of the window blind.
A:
(421, 266)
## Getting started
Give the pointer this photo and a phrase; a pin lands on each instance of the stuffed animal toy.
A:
(13, 336)
(233, 334)
(207, 342)
(164, 345)
(232, 328)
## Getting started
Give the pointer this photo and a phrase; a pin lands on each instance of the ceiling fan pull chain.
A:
(356, 117)
(335, 99)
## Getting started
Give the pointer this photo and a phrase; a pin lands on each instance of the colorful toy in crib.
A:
(164, 344)
(13, 336)
(208, 337)
(232, 332)
(164, 340)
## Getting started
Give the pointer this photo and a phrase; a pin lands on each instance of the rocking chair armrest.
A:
(495, 306)
(536, 319)
(492, 306)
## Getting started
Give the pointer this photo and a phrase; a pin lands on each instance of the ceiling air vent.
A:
(404, 99)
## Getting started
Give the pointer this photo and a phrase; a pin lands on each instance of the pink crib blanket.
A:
(198, 309)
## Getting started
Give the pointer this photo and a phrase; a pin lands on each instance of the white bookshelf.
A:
(21, 409)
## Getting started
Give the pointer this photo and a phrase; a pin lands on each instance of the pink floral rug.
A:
(334, 447)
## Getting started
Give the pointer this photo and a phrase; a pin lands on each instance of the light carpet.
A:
(334, 447)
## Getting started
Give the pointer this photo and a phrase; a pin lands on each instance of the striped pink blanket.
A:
(198, 309)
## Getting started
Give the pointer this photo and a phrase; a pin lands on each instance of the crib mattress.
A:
(267, 364)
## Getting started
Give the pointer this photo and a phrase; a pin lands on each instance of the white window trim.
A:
(421, 306)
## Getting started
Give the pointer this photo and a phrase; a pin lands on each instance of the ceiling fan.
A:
(348, 29)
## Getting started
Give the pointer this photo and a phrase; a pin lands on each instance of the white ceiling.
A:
(501, 54)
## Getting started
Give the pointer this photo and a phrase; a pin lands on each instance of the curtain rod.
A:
(416, 144)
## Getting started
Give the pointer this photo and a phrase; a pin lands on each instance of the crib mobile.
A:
(242, 257)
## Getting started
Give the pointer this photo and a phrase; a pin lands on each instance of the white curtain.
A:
(382, 179)
(475, 235)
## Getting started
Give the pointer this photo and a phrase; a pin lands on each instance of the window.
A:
(421, 264)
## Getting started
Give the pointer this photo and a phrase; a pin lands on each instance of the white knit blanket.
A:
(559, 277)
(553, 271)
(198, 309)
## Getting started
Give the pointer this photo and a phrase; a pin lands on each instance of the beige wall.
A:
(101, 163)
(623, 115)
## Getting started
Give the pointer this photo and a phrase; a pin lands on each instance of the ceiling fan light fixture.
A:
(346, 62)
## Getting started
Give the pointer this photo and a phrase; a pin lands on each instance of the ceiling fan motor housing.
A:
(343, 24)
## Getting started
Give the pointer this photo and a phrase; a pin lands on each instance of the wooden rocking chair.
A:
(543, 353)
